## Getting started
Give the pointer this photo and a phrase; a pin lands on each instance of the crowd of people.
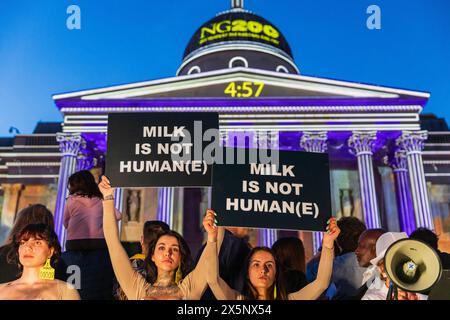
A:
(349, 264)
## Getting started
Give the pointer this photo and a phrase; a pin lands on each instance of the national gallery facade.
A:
(389, 163)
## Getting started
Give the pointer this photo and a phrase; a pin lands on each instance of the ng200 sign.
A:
(239, 26)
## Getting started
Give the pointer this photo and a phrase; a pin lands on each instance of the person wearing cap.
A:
(375, 276)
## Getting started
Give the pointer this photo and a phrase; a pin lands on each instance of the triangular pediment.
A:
(242, 83)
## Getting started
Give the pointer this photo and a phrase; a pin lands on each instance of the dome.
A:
(238, 26)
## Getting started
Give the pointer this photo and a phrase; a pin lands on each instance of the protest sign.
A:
(160, 149)
(293, 194)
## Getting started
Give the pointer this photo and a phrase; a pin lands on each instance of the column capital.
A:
(362, 142)
(224, 138)
(272, 137)
(314, 141)
(266, 139)
(399, 162)
(257, 139)
(69, 143)
(85, 162)
(412, 141)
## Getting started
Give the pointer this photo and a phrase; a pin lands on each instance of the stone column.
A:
(315, 142)
(224, 138)
(118, 203)
(361, 145)
(267, 237)
(7, 218)
(269, 139)
(413, 142)
(11, 198)
(273, 139)
(165, 205)
(69, 145)
(403, 192)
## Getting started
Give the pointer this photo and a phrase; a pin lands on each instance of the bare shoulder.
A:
(2, 286)
(67, 290)
(6, 285)
(63, 285)
(4, 289)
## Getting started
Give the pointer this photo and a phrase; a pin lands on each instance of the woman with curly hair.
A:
(37, 251)
(33, 214)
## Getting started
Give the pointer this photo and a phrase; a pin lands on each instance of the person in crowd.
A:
(366, 249)
(167, 258)
(430, 238)
(234, 249)
(33, 214)
(375, 276)
(290, 254)
(36, 251)
(347, 274)
(263, 280)
(365, 252)
(149, 234)
(85, 241)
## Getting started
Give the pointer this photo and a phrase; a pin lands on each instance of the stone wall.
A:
(18, 196)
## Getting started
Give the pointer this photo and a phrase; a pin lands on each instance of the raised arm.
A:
(219, 287)
(313, 290)
(194, 285)
(129, 280)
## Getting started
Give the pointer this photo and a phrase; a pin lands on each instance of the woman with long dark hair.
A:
(168, 259)
(263, 281)
(85, 242)
(290, 255)
(33, 214)
(150, 233)
(263, 257)
(36, 252)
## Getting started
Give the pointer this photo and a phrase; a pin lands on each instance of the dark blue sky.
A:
(136, 40)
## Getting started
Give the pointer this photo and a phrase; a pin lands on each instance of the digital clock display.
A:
(245, 89)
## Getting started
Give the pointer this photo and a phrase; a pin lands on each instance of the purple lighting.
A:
(403, 192)
(223, 102)
(165, 205)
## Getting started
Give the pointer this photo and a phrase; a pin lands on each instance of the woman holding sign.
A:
(166, 258)
(263, 274)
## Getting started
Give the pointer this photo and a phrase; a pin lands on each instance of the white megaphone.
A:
(412, 266)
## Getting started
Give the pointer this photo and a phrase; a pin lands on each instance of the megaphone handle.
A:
(389, 294)
(392, 292)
